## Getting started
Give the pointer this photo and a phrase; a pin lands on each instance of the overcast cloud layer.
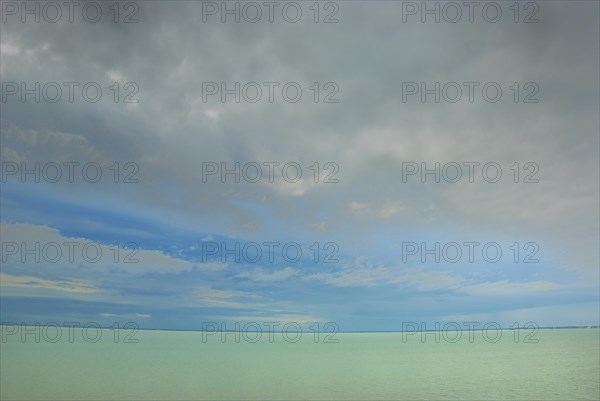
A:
(367, 136)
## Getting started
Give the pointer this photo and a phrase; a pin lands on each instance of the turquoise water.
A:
(168, 365)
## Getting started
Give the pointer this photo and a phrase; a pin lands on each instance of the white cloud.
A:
(370, 276)
(554, 315)
(213, 114)
(508, 288)
(231, 299)
(290, 188)
(420, 279)
(282, 319)
(358, 208)
(72, 286)
(115, 76)
(52, 252)
(127, 315)
(259, 275)
(390, 210)
(319, 227)
(8, 49)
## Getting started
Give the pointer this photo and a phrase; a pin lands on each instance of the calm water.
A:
(564, 364)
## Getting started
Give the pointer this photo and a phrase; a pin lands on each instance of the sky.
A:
(166, 238)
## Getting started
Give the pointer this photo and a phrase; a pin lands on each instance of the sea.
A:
(107, 364)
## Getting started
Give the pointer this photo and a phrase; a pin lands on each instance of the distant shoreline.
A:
(339, 332)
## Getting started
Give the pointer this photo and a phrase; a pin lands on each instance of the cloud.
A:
(127, 315)
(261, 276)
(281, 319)
(389, 211)
(358, 208)
(540, 316)
(52, 253)
(424, 280)
(371, 276)
(213, 114)
(230, 299)
(507, 288)
(9, 50)
(319, 227)
(70, 286)
(369, 134)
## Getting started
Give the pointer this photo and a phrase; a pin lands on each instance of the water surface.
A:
(170, 365)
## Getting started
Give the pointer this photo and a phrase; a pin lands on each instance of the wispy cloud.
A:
(230, 299)
(75, 286)
(261, 276)
(370, 276)
(276, 318)
(127, 315)
(508, 288)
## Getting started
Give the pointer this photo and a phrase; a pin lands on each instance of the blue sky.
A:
(368, 214)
